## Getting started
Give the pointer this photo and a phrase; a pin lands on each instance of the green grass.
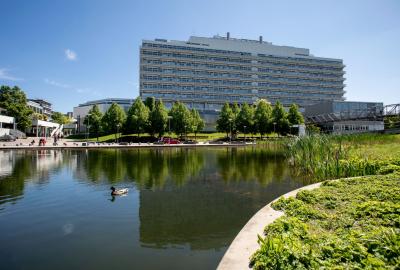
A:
(345, 224)
(201, 137)
(327, 157)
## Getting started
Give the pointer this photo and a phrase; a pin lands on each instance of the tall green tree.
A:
(225, 119)
(197, 122)
(138, 117)
(94, 120)
(181, 121)
(14, 101)
(279, 117)
(263, 116)
(60, 118)
(294, 115)
(158, 119)
(113, 119)
(245, 119)
(150, 103)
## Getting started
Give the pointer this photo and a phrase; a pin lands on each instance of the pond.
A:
(183, 209)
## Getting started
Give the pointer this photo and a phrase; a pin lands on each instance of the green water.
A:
(183, 209)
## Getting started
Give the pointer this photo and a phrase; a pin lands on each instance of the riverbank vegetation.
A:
(346, 224)
(327, 157)
(349, 223)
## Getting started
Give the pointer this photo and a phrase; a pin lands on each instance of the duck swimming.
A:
(118, 191)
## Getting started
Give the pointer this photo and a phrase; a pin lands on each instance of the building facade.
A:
(204, 73)
(82, 110)
(345, 117)
(44, 107)
(35, 107)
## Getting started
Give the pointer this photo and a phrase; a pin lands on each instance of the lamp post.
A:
(230, 130)
(169, 129)
(244, 134)
(118, 132)
(274, 126)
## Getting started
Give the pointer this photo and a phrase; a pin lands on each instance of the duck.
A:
(118, 191)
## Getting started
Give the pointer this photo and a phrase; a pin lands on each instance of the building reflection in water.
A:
(194, 197)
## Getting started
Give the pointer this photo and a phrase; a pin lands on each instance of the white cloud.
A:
(79, 90)
(57, 84)
(6, 76)
(71, 55)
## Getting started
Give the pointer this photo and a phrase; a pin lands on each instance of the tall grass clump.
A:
(325, 156)
(317, 155)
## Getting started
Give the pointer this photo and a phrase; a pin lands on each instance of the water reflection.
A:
(17, 167)
(198, 198)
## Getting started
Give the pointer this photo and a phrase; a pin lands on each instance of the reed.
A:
(327, 157)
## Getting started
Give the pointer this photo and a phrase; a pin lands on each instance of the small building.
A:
(346, 117)
(35, 107)
(42, 128)
(83, 109)
(70, 128)
(44, 107)
(7, 123)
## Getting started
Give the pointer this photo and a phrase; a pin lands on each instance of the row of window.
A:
(241, 68)
(196, 72)
(301, 74)
(272, 57)
(235, 60)
(271, 73)
(272, 77)
(297, 80)
(185, 48)
(267, 94)
(157, 87)
(245, 92)
(202, 97)
(271, 82)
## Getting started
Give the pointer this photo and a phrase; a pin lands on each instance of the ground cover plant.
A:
(350, 223)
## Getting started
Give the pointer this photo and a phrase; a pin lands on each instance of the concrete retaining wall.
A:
(237, 257)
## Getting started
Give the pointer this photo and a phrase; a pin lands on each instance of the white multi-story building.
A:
(82, 110)
(204, 73)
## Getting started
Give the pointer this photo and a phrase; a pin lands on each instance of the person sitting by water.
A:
(115, 192)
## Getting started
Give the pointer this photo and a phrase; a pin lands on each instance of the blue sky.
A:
(70, 51)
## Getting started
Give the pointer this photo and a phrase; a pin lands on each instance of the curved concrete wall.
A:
(245, 243)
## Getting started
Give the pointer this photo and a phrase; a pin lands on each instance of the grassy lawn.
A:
(345, 224)
(376, 147)
(201, 137)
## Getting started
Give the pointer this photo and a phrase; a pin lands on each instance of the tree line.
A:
(15, 104)
(150, 116)
(260, 117)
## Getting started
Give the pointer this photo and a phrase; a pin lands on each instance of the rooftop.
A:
(250, 46)
(108, 101)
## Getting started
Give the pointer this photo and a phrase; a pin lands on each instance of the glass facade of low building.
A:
(204, 73)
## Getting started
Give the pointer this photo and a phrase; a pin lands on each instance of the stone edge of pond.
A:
(120, 146)
(245, 243)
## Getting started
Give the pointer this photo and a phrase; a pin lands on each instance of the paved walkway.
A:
(66, 144)
(237, 257)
